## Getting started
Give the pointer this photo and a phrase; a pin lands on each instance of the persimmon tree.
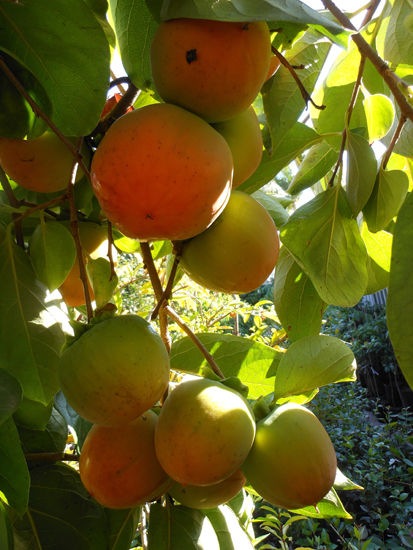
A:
(350, 136)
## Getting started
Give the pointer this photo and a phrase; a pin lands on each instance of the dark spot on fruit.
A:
(246, 27)
(191, 56)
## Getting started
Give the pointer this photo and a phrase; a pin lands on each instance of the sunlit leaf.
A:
(379, 114)
(343, 483)
(273, 207)
(328, 507)
(231, 535)
(101, 279)
(316, 164)
(394, 40)
(379, 251)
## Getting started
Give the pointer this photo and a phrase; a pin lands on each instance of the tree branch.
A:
(118, 110)
(394, 139)
(43, 206)
(168, 289)
(51, 457)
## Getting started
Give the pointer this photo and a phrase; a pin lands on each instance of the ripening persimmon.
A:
(273, 68)
(118, 466)
(292, 463)
(42, 164)
(162, 173)
(110, 103)
(93, 238)
(204, 432)
(243, 135)
(238, 252)
(115, 371)
(209, 496)
(213, 68)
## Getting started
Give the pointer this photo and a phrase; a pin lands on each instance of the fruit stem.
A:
(118, 110)
(110, 251)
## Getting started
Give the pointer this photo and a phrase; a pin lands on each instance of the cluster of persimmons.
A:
(168, 171)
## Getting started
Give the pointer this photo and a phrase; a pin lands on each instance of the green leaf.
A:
(61, 513)
(6, 530)
(388, 194)
(288, 35)
(298, 139)
(326, 242)
(14, 475)
(379, 254)
(31, 338)
(11, 394)
(313, 362)
(316, 164)
(99, 8)
(180, 528)
(329, 507)
(161, 249)
(394, 40)
(273, 207)
(17, 119)
(231, 535)
(245, 10)
(40, 36)
(298, 306)
(379, 114)
(99, 273)
(32, 414)
(134, 27)
(51, 440)
(343, 483)
(361, 171)
(46, 246)
(122, 527)
(282, 98)
(254, 363)
(399, 307)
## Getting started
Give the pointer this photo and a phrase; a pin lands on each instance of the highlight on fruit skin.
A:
(204, 433)
(243, 135)
(118, 466)
(115, 371)
(292, 463)
(213, 68)
(210, 496)
(238, 252)
(42, 164)
(162, 173)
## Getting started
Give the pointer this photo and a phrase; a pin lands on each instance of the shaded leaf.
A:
(180, 528)
(32, 414)
(254, 363)
(394, 40)
(326, 242)
(50, 440)
(231, 535)
(99, 273)
(61, 513)
(313, 362)
(388, 194)
(361, 172)
(30, 339)
(316, 164)
(46, 245)
(273, 207)
(298, 306)
(6, 530)
(14, 475)
(379, 114)
(122, 527)
(328, 507)
(41, 37)
(379, 254)
(399, 307)
(11, 394)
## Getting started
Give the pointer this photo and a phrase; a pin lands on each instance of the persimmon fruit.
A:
(204, 432)
(162, 173)
(118, 466)
(238, 252)
(209, 496)
(93, 238)
(292, 463)
(115, 371)
(110, 103)
(243, 135)
(42, 164)
(213, 68)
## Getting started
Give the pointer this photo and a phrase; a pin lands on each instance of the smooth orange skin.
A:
(118, 466)
(92, 237)
(238, 253)
(231, 65)
(42, 164)
(274, 64)
(210, 496)
(292, 463)
(243, 135)
(204, 433)
(162, 173)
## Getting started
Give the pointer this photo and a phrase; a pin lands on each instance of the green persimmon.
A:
(292, 463)
(115, 371)
(238, 252)
(204, 433)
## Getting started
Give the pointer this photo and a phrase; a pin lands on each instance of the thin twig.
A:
(370, 12)
(14, 203)
(394, 139)
(51, 457)
(118, 84)
(78, 156)
(181, 323)
(304, 93)
(43, 206)
(110, 254)
(75, 232)
(168, 289)
(118, 110)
